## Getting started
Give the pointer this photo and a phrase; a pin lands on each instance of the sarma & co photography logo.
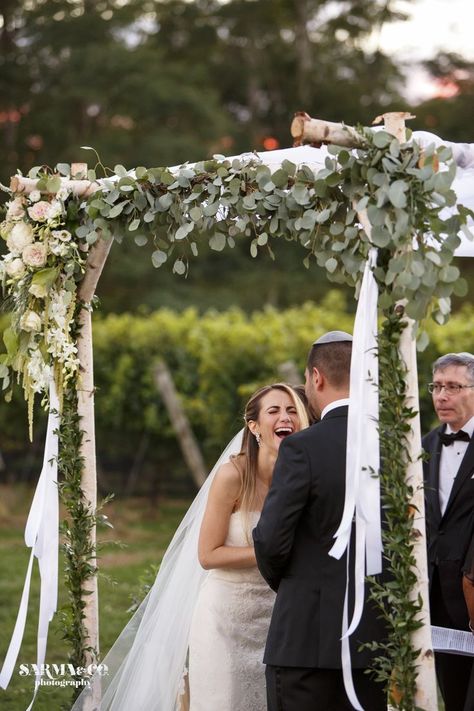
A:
(63, 674)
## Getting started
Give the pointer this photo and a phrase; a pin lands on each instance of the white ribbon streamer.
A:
(363, 457)
(41, 535)
(362, 500)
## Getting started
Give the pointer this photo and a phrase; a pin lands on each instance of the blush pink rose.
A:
(35, 255)
(40, 211)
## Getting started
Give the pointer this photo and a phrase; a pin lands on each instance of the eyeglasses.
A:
(450, 388)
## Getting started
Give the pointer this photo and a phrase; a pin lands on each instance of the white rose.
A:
(55, 209)
(34, 196)
(15, 208)
(30, 321)
(35, 255)
(15, 268)
(20, 236)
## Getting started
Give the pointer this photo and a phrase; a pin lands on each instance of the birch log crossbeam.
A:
(81, 188)
(305, 129)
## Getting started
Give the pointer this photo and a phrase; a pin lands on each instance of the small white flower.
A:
(63, 235)
(20, 236)
(35, 255)
(60, 249)
(38, 371)
(30, 321)
(34, 196)
(15, 209)
(15, 268)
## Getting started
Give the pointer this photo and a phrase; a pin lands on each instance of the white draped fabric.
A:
(41, 535)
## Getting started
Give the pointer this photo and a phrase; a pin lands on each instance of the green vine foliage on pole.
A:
(402, 189)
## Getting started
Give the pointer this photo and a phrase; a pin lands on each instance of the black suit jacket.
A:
(296, 530)
(449, 535)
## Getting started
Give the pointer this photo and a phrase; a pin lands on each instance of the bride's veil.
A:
(147, 662)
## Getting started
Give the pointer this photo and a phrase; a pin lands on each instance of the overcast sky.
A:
(434, 25)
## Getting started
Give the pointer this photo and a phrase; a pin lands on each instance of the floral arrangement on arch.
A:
(39, 273)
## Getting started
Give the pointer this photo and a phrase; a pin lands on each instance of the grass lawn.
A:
(143, 530)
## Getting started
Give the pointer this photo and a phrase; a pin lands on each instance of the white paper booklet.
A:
(452, 641)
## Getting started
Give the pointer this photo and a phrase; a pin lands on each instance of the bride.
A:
(218, 618)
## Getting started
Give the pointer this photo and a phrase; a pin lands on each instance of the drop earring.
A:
(258, 438)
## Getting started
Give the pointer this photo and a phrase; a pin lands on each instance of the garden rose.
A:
(35, 255)
(15, 268)
(30, 321)
(15, 208)
(20, 236)
(34, 196)
(40, 211)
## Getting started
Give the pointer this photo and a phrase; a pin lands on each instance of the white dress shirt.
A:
(450, 461)
(337, 403)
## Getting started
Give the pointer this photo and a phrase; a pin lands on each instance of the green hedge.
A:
(217, 360)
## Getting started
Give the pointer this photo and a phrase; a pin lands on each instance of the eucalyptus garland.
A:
(79, 553)
(403, 190)
(396, 660)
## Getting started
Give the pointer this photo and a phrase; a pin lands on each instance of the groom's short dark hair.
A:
(333, 360)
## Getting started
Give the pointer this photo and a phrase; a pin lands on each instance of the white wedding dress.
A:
(228, 633)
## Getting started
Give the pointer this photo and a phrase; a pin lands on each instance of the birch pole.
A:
(85, 411)
(426, 689)
(305, 129)
(94, 265)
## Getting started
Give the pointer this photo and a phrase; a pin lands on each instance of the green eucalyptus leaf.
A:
(158, 258)
(195, 213)
(183, 231)
(396, 193)
(382, 139)
(179, 267)
(217, 242)
(116, 210)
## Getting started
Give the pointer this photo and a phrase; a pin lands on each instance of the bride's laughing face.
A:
(276, 420)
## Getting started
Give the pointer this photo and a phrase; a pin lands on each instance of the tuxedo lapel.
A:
(432, 483)
(465, 471)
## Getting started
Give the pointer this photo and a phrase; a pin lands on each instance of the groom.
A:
(296, 530)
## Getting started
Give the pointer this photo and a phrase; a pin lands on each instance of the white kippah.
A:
(333, 337)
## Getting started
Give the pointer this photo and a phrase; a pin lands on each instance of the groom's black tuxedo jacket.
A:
(296, 530)
(449, 535)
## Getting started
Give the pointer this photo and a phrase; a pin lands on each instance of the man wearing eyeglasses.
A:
(449, 493)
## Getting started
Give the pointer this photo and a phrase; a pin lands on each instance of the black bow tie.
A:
(448, 439)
